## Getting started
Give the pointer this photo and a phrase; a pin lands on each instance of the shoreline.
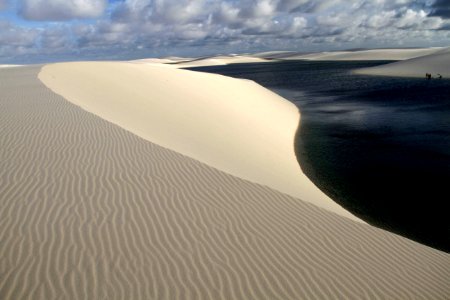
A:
(91, 210)
(434, 236)
(212, 124)
(437, 64)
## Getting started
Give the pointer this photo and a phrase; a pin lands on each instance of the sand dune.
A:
(153, 61)
(9, 66)
(164, 60)
(220, 60)
(91, 211)
(270, 56)
(231, 124)
(437, 63)
(375, 54)
(275, 54)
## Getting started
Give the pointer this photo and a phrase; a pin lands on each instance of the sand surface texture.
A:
(436, 63)
(234, 125)
(89, 210)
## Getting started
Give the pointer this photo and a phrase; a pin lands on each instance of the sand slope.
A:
(219, 61)
(231, 124)
(375, 54)
(164, 60)
(437, 63)
(91, 211)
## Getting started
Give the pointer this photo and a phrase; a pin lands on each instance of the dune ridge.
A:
(90, 211)
(272, 56)
(234, 125)
(435, 63)
(371, 54)
(219, 61)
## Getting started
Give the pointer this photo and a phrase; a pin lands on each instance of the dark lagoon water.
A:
(380, 146)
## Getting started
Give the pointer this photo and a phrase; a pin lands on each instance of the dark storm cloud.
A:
(441, 8)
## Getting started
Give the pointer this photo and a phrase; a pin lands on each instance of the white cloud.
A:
(205, 26)
(15, 40)
(267, 23)
(60, 10)
(381, 20)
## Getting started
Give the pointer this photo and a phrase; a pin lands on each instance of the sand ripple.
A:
(90, 211)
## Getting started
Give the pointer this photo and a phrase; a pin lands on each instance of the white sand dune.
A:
(220, 60)
(9, 66)
(375, 54)
(274, 54)
(164, 60)
(153, 61)
(177, 58)
(89, 210)
(436, 63)
(231, 124)
(270, 56)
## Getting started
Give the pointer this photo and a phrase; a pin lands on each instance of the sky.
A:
(36, 31)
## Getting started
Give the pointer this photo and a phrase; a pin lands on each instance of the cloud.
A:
(441, 8)
(16, 41)
(163, 11)
(139, 28)
(61, 10)
(294, 5)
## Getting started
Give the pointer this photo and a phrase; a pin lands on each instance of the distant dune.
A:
(88, 210)
(9, 66)
(436, 63)
(375, 54)
(413, 62)
(164, 60)
(273, 56)
(220, 60)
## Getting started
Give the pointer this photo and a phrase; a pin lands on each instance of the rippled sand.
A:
(90, 211)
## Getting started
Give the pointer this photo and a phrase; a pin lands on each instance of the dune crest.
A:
(356, 55)
(234, 125)
(436, 63)
(89, 210)
(219, 60)
(372, 54)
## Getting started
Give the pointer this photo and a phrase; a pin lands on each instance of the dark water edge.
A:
(379, 146)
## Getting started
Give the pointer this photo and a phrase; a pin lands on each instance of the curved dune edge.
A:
(372, 54)
(230, 124)
(263, 57)
(436, 63)
(219, 60)
(89, 210)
